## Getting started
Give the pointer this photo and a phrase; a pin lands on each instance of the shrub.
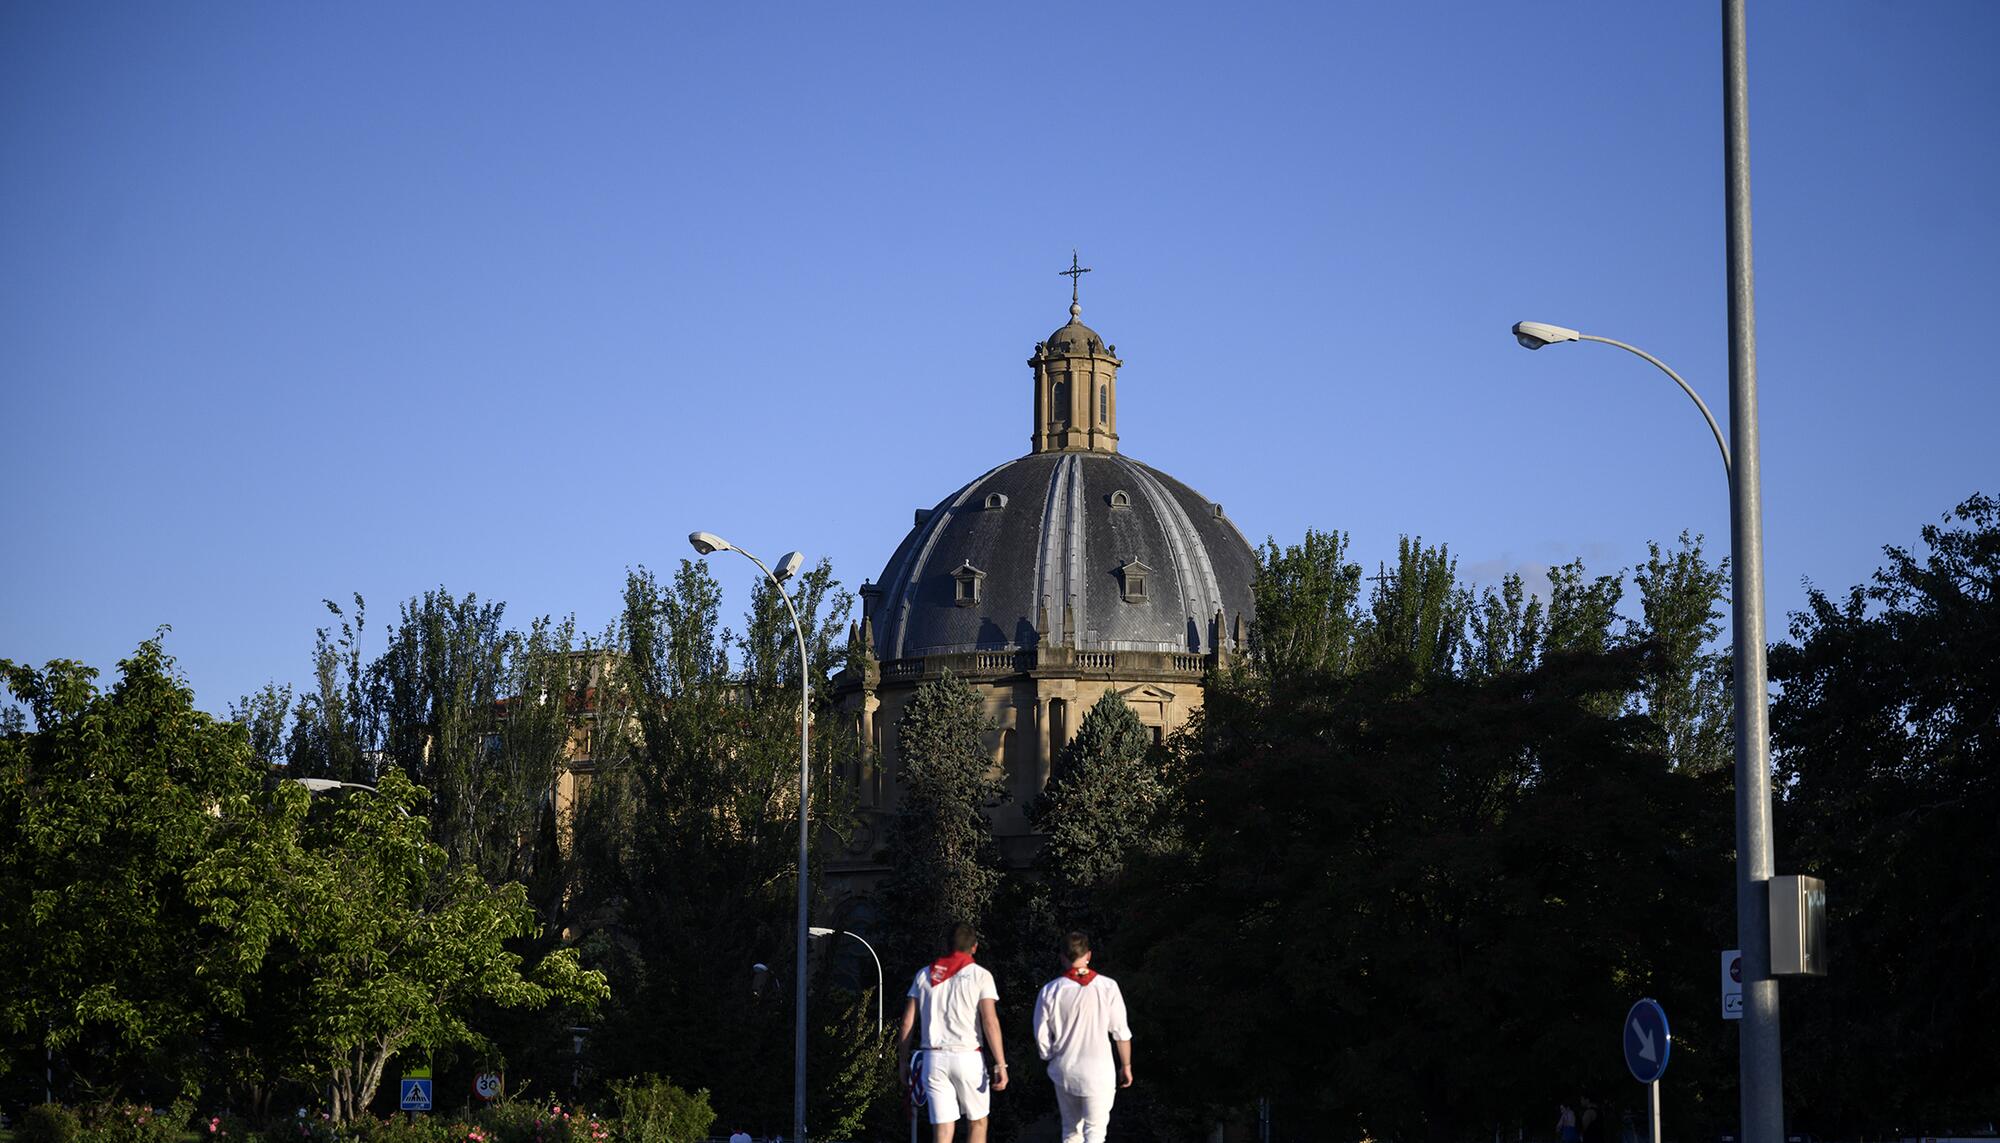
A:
(398, 1129)
(652, 1110)
(48, 1123)
(225, 1128)
(132, 1123)
(524, 1122)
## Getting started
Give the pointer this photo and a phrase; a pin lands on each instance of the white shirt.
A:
(1074, 1026)
(948, 1014)
(740, 1137)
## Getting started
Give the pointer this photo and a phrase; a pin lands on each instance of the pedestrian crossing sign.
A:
(416, 1094)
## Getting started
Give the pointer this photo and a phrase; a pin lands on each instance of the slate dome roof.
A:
(1065, 527)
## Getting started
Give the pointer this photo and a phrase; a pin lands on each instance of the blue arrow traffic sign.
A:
(416, 1095)
(1647, 1040)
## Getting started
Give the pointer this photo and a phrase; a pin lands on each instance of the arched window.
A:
(1059, 402)
(1103, 404)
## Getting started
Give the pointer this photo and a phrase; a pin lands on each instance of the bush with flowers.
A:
(225, 1127)
(134, 1123)
(405, 1129)
(525, 1121)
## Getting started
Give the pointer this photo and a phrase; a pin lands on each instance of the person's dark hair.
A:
(1073, 946)
(961, 938)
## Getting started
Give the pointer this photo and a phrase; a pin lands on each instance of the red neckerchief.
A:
(946, 967)
(1083, 975)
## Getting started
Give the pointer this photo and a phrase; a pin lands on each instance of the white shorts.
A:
(955, 1085)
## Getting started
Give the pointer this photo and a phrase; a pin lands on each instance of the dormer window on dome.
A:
(996, 500)
(1121, 499)
(967, 584)
(1132, 577)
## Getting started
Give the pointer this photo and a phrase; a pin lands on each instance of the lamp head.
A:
(817, 931)
(789, 566)
(707, 542)
(1535, 334)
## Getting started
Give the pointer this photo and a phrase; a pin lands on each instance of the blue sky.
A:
(303, 300)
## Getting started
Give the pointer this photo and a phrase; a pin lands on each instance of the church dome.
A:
(1097, 550)
(1076, 337)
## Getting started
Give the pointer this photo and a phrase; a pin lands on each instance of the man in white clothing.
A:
(1079, 1022)
(953, 1008)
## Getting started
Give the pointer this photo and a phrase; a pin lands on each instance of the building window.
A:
(966, 581)
(996, 500)
(1103, 403)
(1133, 575)
(1120, 499)
(1059, 402)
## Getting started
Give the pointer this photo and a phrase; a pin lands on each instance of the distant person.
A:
(1079, 1022)
(1566, 1124)
(739, 1136)
(951, 1011)
(1590, 1122)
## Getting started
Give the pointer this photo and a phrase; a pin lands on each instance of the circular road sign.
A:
(487, 1085)
(1647, 1040)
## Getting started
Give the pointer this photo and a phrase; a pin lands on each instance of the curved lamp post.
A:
(1534, 335)
(1762, 1099)
(820, 932)
(708, 543)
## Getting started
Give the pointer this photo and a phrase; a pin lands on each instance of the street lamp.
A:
(322, 785)
(1534, 335)
(820, 932)
(708, 543)
(1762, 1099)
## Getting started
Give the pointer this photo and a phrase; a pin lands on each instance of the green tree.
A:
(263, 715)
(1685, 690)
(1101, 807)
(104, 807)
(1582, 614)
(333, 735)
(1308, 607)
(685, 849)
(1504, 630)
(943, 866)
(481, 716)
(1416, 614)
(368, 941)
(1391, 871)
(1887, 739)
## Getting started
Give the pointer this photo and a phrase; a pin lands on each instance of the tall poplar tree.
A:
(944, 867)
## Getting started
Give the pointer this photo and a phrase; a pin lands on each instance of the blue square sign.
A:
(416, 1095)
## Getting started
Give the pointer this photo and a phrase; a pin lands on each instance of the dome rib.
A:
(1190, 554)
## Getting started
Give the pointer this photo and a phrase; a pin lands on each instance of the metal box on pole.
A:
(1798, 926)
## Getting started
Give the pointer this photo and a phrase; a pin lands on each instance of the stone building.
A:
(1045, 581)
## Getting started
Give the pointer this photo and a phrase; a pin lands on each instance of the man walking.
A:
(953, 1008)
(1079, 1021)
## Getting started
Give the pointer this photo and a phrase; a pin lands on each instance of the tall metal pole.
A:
(705, 543)
(1763, 1107)
(1653, 1103)
(805, 801)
